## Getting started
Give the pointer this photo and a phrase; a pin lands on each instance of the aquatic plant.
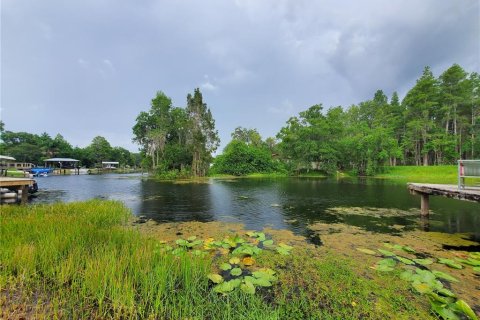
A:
(424, 281)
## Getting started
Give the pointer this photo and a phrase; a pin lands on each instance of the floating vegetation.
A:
(237, 272)
(428, 282)
(372, 212)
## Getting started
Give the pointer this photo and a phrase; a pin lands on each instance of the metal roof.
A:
(61, 160)
(7, 158)
(110, 162)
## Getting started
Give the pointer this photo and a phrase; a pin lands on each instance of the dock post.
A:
(24, 194)
(424, 204)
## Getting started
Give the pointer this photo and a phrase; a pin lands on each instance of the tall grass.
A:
(78, 261)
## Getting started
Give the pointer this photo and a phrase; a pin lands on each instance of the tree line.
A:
(437, 122)
(33, 148)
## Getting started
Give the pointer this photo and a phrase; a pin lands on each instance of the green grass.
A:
(15, 174)
(428, 174)
(78, 260)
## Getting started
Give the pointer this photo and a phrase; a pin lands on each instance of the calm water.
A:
(290, 203)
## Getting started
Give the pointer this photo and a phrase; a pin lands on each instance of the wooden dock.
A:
(446, 190)
(17, 184)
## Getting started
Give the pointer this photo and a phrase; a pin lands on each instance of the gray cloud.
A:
(87, 68)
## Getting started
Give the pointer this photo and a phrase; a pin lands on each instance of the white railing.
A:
(467, 169)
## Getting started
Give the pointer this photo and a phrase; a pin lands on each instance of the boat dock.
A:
(446, 190)
(17, 184)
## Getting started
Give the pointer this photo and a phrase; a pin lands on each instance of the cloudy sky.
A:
(88, 67)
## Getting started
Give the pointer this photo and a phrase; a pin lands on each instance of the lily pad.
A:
(248, 287)
(225, 266)
(450, 263)
(405, 260)
(421, 287)
(268, 242)
(216, 278)
(470, 262)
(367, 251)
(476, 270)
(236, 272)
(227, 286)
(423, 262)
(387, 253)
(465, 308)
(443, 275)
(234, 260)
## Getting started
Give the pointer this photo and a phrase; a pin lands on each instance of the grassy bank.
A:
(428, 174)
(79, 260)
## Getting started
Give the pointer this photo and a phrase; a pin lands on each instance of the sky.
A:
(84, 68)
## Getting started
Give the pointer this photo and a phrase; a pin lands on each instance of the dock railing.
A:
(467, 169)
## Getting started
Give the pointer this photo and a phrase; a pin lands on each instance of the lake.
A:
(282, 203)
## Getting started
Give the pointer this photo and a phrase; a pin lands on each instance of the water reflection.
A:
(279, 203)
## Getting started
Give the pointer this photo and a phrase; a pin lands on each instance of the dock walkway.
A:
(446, 190)
(17, 184)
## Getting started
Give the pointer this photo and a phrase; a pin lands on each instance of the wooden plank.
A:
(445, 190)
(6, 182)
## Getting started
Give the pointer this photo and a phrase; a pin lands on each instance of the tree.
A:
(100, 149)
(203, 138)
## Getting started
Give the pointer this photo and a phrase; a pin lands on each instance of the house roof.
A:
(7, 158)
(110, 162)
(61, 160)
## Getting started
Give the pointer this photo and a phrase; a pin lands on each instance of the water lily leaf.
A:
(261, 236)
(283, 251)
(216, 278)
(445, 292)
(382, 268)
(236, 272)
(367, 251)
(251, 234)
(234, 260)
(262, 282)
(465, 308)
(265, 273)
(474, 255)
(436, 297)
(450, 263)
(423, 262)
(405, 260)
(421, 287)
(224, 287)
(191, 238)
(397, 247)
(248, 261)
(469, 261)
(476, 270)
(443, 275)
(389, 262)
(248, 287)
(408, 249)
(181, 242)
(388, 245)
(268, 242)
(387, 253)
(443, 311)
(225, 266)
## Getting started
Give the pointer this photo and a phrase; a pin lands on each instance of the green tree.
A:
(100, 149)
(203, 138)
